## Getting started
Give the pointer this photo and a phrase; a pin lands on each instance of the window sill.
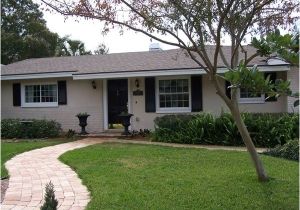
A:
(170, 111)
(251, 101)
(40, 105)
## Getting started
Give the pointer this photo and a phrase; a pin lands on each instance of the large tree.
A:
(190, 25)
(24, 33)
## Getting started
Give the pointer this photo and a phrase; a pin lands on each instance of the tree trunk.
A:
(262, 175)
(234, 108)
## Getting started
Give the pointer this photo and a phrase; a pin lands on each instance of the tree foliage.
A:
(69, 47)
(285, 46)
(191, 25)
(24, 33)
(101, 50)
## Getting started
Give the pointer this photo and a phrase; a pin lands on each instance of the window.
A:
(37, 95)
(250, 97)
(173, 94)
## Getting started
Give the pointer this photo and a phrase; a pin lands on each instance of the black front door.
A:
(117, 99)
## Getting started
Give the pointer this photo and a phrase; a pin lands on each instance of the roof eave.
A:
(127, 74)
(37, 75)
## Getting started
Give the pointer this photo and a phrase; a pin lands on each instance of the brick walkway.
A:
(31, 171)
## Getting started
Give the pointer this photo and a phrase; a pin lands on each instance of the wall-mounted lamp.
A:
(94, 84)
(137, 83)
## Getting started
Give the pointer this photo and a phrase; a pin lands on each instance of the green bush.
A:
(289, 150)
(266, 130)
(51, 202)
(14, 128)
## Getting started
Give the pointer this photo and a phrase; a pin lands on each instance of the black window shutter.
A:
(273, 78)
(150, 94)
(62, 92)
(196, 90)
(227, 90)
(17, 94)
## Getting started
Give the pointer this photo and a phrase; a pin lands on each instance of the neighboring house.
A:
(148, 84)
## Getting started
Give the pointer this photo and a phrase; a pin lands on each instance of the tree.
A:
(190, 25)
(285, 46)
(69, 47)
(101, 50)
(24, 33)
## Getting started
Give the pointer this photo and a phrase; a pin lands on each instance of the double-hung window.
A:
(173, 94)
(39, 95)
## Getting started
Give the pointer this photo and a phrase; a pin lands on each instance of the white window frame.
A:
(251, 100)
(38, 104)
(172, 109)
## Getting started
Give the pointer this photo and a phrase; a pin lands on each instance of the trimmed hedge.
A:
(266, 130)
(13, 128)
(289, 150)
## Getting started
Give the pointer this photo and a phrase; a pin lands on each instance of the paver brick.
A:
(31, 171)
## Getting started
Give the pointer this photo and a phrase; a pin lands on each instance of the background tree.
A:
(190, 25)
(69, 47)
(24, 33)
(101, 50)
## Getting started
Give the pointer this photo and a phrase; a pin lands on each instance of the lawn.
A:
(9, 149)
(126, 176)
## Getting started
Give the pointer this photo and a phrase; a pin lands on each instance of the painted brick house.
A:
(147, 84)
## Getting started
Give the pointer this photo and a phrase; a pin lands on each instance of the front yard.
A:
(10, 148)
(125, 176)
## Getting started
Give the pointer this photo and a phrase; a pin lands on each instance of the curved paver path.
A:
(31, 171)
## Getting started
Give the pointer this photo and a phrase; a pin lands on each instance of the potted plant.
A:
(82, 116)
(125, 118)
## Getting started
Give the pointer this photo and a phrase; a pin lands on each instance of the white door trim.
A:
(105, 102)
(105, 108)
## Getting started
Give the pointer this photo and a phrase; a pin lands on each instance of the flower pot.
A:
(125, 118)
(83, 123)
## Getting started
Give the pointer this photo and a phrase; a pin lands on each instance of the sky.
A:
(89, 32)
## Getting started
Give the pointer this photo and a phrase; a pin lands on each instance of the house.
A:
(147, 84)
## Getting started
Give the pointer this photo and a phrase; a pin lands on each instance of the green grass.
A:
(125, 176)
(10, 148)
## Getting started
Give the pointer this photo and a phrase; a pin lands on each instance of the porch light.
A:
(94, 84)
(137, 83)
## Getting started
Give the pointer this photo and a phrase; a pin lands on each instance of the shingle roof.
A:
(116, 62)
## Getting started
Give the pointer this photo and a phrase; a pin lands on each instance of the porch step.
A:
(106, 134)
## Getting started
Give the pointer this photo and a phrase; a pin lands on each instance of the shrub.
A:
(14, 128)
(11, 128)
(289, 150)
(50, 200)
(71, 133)
(266, 130)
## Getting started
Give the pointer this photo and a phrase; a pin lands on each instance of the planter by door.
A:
(83, 123)
(125, 118)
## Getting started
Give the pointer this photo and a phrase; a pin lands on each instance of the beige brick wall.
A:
(293, 76)
(81, 98)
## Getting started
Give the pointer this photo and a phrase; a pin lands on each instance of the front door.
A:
(117, 95)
